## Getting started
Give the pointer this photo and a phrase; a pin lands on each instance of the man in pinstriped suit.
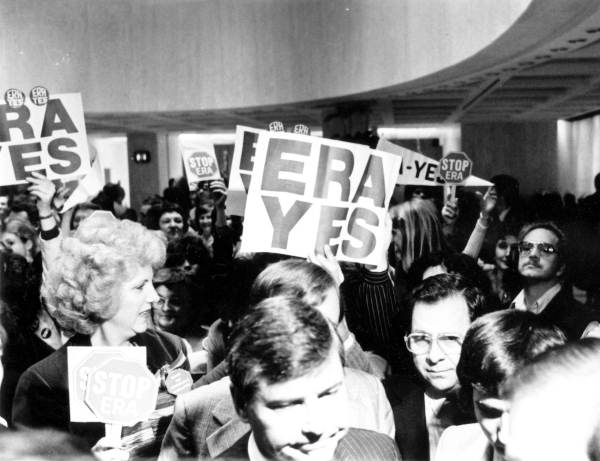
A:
(287, 384)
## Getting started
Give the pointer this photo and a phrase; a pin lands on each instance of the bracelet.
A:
(480, 222)
(47, 216)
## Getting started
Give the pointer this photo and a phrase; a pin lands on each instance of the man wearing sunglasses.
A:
(442, 309)
(542, 266)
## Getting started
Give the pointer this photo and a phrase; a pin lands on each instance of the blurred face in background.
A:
(171, 224)
(170, 312)
(205, 223)
(15, 244)
(504, 246)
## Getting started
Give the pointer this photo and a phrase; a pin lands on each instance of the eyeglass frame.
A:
(539, 247)
(437, 337)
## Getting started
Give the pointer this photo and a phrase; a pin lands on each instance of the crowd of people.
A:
(471, 339)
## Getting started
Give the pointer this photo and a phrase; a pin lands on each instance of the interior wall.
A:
(525, 150)
(578, 155)
(143, 177)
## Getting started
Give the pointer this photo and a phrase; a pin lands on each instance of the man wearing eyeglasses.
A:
(542, 266)
(442, 309)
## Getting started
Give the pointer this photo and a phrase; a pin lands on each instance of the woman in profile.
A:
(99, 290)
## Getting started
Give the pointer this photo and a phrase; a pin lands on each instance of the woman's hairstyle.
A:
(417, 221)
(170, 276)
(156, 211)
(103, 252)
(498, 344)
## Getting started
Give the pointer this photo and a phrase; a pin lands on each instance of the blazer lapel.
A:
(232, 429)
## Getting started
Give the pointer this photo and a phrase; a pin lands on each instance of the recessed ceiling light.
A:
(594, 30)
(578, 40)
(556, 50)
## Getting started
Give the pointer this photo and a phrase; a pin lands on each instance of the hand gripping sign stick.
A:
(112, 386)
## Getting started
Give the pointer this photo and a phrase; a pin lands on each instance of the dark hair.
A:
(169, 276)
(552, 227)
(17, 206)
(454, 263)
(507, 187)
(114, 192)
(442, 286)
(498, 344)
(156, 212)
(597, 182)
(293, 277)
(84, 206)
(187, 247)
(281, 338)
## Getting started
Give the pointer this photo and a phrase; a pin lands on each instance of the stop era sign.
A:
(203, 164)
(455, 167)
(121, 391)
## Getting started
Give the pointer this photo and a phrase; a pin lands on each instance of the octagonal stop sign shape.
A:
(121, 391)
(455, 167)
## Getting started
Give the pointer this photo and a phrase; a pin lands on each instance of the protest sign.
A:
(307, 192)
(46, 138)
(420, 170)
(455, 167)
(84, 360)
(199, 161)
(87, 187)
(121, 391)
(242, 164)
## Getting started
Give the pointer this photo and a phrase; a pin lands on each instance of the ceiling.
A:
(558, 78)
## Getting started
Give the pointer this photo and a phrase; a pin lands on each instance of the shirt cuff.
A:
(50, 234)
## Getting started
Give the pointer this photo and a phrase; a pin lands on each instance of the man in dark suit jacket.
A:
(288, 387)
(442, 308)
(542, 248)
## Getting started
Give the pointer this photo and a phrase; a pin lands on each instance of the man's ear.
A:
(240, 406)
(561, 270)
